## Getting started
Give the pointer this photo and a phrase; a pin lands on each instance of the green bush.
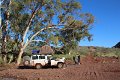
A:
(1, 61)
(99, 51)
(109, 52)
(73, 52)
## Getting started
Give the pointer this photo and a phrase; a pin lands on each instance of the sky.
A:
(106, 29)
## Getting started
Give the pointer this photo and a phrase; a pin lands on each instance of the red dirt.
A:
(91, 70)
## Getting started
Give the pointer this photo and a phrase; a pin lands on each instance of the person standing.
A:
(78, 59)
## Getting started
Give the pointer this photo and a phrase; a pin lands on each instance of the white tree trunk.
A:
(19, 56)
(20, 53)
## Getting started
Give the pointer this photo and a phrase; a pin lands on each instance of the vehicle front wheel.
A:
(60, 65)
(38, 66)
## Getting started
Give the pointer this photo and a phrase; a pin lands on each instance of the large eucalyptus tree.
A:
(37, 20)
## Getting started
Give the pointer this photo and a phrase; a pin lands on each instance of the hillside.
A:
(117, 45)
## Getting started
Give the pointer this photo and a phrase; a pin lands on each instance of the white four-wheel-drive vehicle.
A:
(38, 61)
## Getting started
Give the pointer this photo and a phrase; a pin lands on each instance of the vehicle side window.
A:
(34, 57)
(41, 57)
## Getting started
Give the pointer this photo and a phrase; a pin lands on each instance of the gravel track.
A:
(71, 72)
(86, 71)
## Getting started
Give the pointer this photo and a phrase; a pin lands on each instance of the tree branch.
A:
(36, 40)
(36, 35)
(30, 20)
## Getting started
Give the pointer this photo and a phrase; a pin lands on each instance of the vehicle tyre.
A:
(26, 63)
(38, 66)
(60, 65)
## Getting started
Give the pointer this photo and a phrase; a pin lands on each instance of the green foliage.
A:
(99, 52)
(83, 50)
(107, 52)
(21, 11)
(68, 47)
(0, 39)
(10, 58)
(75, 30)
(1, 60)
(54, 39)
(67, 56)
(53, 21)
(74, 52)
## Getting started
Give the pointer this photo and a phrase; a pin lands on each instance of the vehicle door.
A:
(54, 61)
(42, 60)
(34, 59)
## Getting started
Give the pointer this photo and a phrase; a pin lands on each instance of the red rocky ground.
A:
(89, 69)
